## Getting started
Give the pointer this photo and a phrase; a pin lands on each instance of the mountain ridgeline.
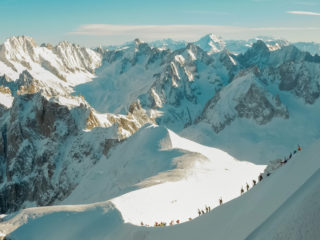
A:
(64, 108)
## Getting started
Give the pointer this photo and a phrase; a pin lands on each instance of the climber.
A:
(254, 182)
(284, 161)
(241, 191)
(247, 187)
(199, 212)
(171, 223)
(220, 201)
(295, 151)
(260, 177)
(178, 221)
(202, 211)
(290, 156)
(190, 218)
(268, 174)
(299, 148)
(142, 224)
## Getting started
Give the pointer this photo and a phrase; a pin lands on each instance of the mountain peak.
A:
(137, 41)
(20, 40)
(260, 45)
(19, 43)
(211, 43)
(66, 44)
(214, 38)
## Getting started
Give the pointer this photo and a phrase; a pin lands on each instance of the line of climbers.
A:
(282, 162)
(208, 208)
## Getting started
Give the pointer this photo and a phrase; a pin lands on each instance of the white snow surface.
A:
(211, 175)
(6, 99)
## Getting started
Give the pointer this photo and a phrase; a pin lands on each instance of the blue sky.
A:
(107, 22)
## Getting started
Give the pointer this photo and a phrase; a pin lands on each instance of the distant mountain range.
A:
(153, 123)
(213, 44)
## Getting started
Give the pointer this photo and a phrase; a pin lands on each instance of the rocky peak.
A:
(21, 49)
(260, 46)
(191, 54)
(20, 42)
(258, 55)
(137, 41)
(77, 58)
(4, 80)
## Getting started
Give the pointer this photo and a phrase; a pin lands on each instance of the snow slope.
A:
(6, 98)
(297, 218)
(203, 180)
(123, 76)
(172, 165)
(236, 219)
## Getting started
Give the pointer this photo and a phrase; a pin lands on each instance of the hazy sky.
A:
(108, 22)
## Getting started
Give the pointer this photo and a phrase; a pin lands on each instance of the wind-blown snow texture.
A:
(152, 132)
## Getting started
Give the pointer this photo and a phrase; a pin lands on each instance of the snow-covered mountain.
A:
(167, 131)
(66, 63)
(311, 47)
(166, 44)
(44, 129)
(211, 44)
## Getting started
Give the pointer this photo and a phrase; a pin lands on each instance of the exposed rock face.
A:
(254, 104)
(31, 137)
(48, 143)
(258, 55)
(181, 90)
(302, 79)
(244, 97)
(44, 150)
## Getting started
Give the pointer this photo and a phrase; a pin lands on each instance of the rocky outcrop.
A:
(244, 97)
(302, 79)
(255, 105)
(44, 152)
